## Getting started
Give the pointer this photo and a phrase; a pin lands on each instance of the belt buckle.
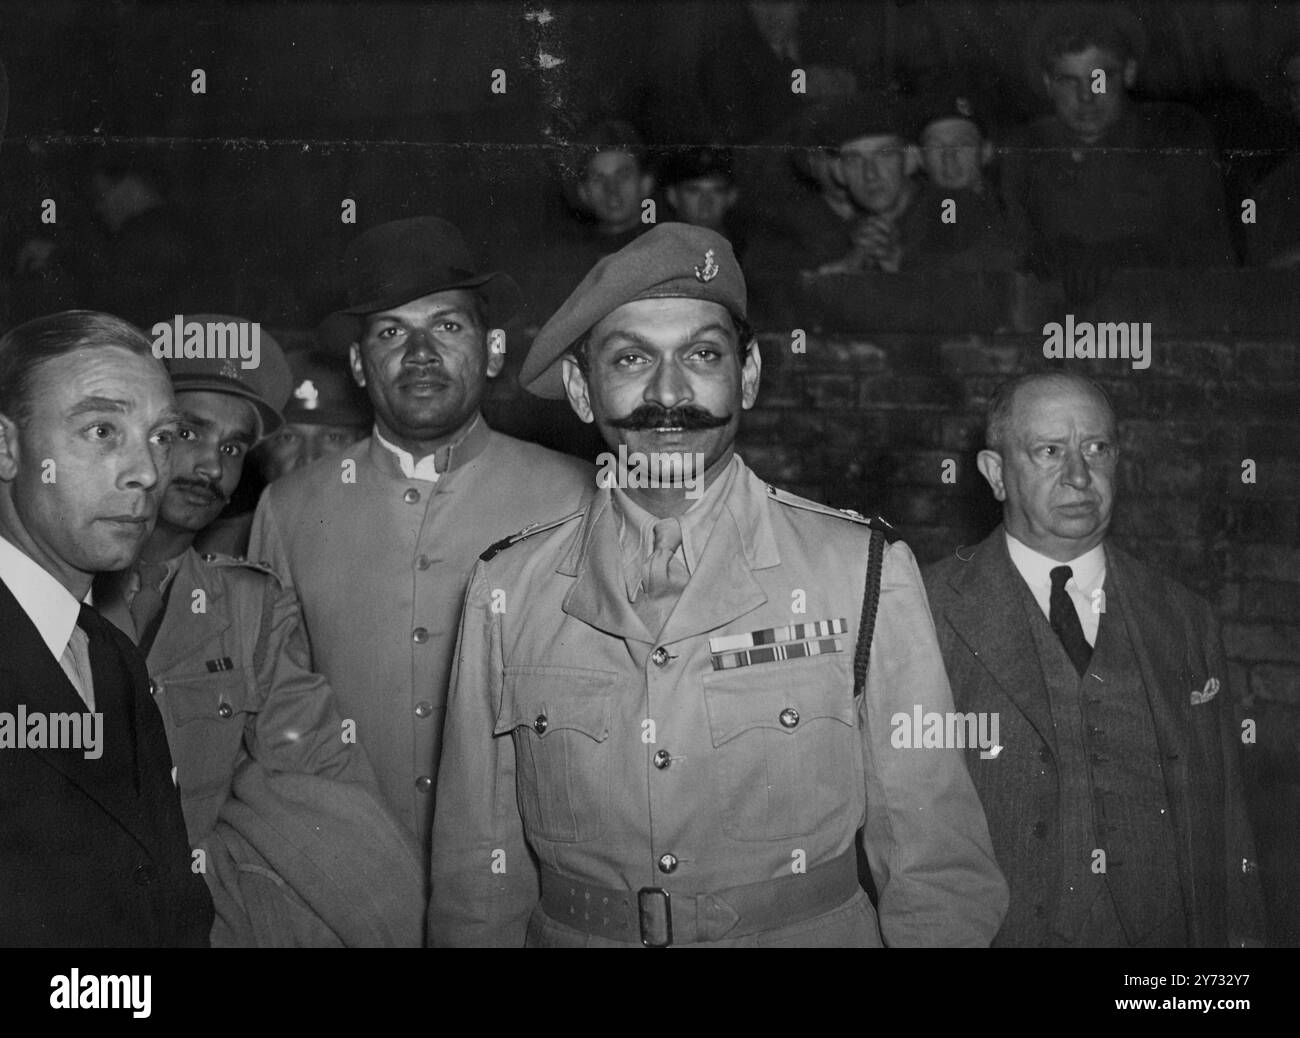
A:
(655, 918)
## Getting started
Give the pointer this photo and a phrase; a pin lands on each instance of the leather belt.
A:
(658, 918)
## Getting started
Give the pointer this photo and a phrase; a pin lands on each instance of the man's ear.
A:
(750, 373)
(8, 448)
(987, 151)
(358, 369)
(911, 159)
(496, 343)
(575, 386)
(989, 462)
(647, 185)
(1130, 74)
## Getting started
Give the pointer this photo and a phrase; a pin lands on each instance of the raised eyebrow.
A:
(171, 416)
(98, 405)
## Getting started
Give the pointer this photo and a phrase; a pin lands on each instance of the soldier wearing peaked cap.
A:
(671, 711)
(256, 736)
(379, 540)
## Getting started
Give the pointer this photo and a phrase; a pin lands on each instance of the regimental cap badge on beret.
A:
(230, 369)
(308, 394)
(710, 269)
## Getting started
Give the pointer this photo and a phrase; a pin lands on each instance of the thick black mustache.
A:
(653, 416)
(200, 485)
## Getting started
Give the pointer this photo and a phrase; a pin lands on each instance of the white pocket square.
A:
(1210, 690)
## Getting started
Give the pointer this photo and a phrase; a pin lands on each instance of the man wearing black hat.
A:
(378, 541)
(1104, 182)
(664, 726)
(256, 738)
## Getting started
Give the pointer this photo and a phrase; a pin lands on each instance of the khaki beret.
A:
(672, 260)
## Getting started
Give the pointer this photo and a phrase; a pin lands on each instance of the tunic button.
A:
(424, 783)
(662, 759)
(540, 725)
(209, 557)
(420, 635)
(789, 717)
(1248, 867)
(423, 562)
(423, 709)
(154, 687)
(1044, 754)
(225, 710)
(659, 656)
(1040, 830)
(411, 496)
(667, 863)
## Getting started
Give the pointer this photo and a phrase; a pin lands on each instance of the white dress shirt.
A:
(54, 612)
(426, 468)
(1084, 587)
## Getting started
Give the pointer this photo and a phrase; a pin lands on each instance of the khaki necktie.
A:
(148, 600)
(665, 574)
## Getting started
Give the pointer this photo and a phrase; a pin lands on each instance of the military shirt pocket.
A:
(205, 714)
(558, 718)
(788, 754)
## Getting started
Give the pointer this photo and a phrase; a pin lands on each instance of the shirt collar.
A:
(433, 467)
(48, 604)
(1089, 568)
(636, 527)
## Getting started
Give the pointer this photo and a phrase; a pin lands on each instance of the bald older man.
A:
(1115, 802)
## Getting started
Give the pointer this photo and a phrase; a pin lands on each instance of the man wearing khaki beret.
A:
(669, 718)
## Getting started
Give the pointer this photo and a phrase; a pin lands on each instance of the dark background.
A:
(390, 104)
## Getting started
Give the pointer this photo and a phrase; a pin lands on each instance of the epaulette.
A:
(876, 522)
(495, 549)
(213, 558)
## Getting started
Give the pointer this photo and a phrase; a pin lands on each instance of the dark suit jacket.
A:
(993, 666)
(90, 855)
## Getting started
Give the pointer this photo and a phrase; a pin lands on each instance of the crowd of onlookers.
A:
(813, 156)
(892, 178)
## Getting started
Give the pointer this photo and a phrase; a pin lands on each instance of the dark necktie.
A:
(1065, 621)
(114, 685)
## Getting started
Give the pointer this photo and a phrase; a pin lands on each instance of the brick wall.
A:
(867, 416)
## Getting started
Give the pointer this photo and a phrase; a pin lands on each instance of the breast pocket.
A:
(788, 753)
(205, 714)
(558, 718)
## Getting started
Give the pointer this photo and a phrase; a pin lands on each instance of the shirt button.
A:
(667, 863)
(662, 759)
(423, 562)
(225, 710)
(789, 717)
(420, 635)
(424, 783)
(423, 709)
(659, 656)
(411, 496)
(540, 725)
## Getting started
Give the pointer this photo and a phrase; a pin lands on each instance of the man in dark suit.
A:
(1115, 800)
(92, 840)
